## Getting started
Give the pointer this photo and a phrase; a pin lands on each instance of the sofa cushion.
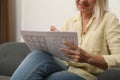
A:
(4, 78)
(11, 55)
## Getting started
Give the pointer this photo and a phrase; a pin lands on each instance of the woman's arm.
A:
(79, 55)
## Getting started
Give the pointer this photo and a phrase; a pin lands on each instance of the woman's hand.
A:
(79, 55)
(53, 29)
(75, 53)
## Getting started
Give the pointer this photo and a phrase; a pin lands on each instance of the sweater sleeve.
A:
(113, 42)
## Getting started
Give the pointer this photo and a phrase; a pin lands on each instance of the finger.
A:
(70, 52)
(71, 45)
(73, 56)
(76, 60)
(65, 50)
(53, 28)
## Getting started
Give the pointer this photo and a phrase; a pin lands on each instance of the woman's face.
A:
(85, 6)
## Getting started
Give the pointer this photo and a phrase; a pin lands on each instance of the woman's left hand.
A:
(79, 55)
(74, 52)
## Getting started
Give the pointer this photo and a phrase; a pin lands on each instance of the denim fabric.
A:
(40, 66)
(64, 75)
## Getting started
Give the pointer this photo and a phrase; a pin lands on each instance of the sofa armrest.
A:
(11, 55)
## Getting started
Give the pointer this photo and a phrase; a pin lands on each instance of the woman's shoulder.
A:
(111, 20)
(110, 15)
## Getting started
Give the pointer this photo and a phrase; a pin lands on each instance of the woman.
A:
(99, 47)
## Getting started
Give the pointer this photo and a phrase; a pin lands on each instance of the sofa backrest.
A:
(11, 55)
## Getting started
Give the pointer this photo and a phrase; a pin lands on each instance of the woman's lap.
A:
(36, 65)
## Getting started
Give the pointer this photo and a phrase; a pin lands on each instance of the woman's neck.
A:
(86, 16)
(85, 19)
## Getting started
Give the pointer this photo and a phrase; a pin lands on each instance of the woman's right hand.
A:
(54, 29)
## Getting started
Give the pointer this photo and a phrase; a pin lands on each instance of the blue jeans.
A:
(41, 66)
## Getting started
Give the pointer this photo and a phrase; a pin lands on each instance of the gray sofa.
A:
(11, 55)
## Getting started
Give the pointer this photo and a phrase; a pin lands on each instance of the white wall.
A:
(115, 7)
(17, 18)
(41, 14)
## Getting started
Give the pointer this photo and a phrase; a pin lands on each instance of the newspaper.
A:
(49, 42)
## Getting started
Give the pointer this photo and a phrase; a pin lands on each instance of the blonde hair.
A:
(100, 8)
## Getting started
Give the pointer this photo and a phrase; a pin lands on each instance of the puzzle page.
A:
(49, 42)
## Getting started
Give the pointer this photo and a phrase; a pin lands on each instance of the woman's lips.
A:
(83, 5)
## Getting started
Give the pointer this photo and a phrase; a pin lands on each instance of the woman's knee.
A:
(36, 62)
(39, 56)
